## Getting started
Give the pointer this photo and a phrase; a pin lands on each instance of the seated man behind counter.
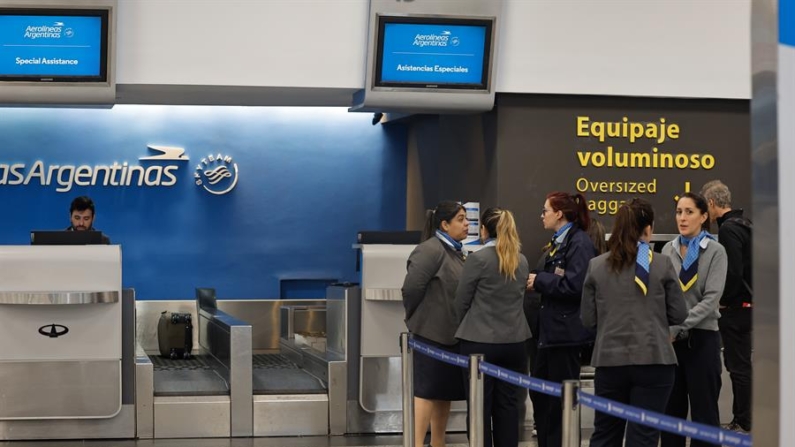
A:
(81, 214)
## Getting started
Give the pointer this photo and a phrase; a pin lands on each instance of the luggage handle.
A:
(188, 336)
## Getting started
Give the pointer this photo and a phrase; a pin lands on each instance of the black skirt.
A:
(436, 380)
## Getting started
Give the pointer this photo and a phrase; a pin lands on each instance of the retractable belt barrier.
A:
(658, 421)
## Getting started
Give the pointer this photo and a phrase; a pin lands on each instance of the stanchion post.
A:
(475, 401)
(571, 414)
(407, 368)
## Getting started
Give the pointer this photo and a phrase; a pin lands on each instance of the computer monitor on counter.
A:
(68, 238)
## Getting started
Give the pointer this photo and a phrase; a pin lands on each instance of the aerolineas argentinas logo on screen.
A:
(54, 31)
(443, 39)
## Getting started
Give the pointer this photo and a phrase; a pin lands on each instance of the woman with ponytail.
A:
(432, 274)
(558, 277)
(701, 264)
(488, 304)
(631, 296)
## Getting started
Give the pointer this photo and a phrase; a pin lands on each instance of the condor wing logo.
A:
(167, 153)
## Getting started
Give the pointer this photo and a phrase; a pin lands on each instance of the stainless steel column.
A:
(571, 414)
(772, 231)
(408, 390)
(241, 380)
(144, 396)
(475, 401)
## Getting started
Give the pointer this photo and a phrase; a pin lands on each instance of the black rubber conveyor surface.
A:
(196, 376)
(276, 374)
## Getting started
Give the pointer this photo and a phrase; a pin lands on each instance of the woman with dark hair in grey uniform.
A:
(701, 264)
(631, 296)
(433, 270)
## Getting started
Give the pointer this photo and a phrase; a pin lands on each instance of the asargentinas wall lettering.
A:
(159, 170)
(65, 177)
(649, 147)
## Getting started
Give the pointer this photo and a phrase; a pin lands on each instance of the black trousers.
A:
(642, 386)
(532, 310)
(501, 400)
(555, 364)
(736, 331)
(532, 356)
(697, 381)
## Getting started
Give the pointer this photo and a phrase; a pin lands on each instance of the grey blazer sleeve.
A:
(422, 266)
(465, 293)
(588, 303)
(675, 305)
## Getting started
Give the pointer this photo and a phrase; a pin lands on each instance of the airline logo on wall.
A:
(218, 174)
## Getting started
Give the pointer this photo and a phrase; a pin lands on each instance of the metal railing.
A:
(407, 369)
(475, 393)
(571, 414)
(573, 398)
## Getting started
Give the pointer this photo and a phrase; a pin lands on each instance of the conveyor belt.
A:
(273, 361)
(276, 374)
(197, 376)
(197, 362)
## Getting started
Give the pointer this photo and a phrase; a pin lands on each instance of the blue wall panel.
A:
(786, 22)
(309, 179)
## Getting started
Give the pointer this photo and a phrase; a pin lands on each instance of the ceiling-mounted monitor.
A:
(430, 57)
(57, 52)
(433, 52)
(53, 45)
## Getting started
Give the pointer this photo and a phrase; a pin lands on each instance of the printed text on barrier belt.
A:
(645, 417)
(531, 383)
(663, 422)
(440, 354)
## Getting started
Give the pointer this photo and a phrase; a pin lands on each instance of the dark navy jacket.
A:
(560, 323)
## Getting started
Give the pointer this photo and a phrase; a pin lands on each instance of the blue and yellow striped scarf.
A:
(689, 273)
(642, 266)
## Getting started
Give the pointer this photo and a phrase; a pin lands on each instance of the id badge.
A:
(559, 271)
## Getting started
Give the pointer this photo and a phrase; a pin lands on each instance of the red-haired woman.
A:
(559, 278)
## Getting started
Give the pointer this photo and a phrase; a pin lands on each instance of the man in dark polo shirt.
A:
(736, 304)
(81, 215)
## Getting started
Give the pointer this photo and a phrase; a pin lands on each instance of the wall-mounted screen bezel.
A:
(102, 76)
(483, 84)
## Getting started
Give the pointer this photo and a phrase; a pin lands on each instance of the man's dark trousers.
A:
(735, 329)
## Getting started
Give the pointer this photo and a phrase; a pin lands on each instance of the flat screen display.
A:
(429, 52)
(53, 45)
(67, 238)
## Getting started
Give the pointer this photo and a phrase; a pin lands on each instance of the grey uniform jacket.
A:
(432, 274)
(489, 306)
(632, 328)
(703, 297)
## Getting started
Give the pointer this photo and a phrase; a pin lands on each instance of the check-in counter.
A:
(61, 365)
(377, 407)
